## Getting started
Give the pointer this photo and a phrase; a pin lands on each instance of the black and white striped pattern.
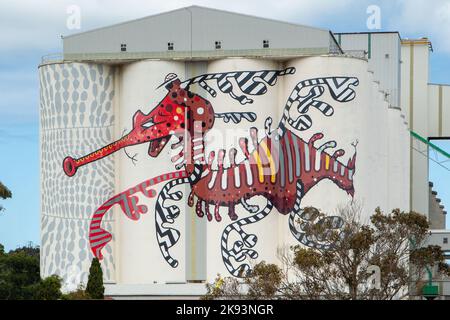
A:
(240, 250)
(236, 117)
(339, 87)
(167, 236)
(249, 82)
(303, 219)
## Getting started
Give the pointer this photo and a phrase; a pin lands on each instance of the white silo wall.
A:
(398, 138)
(264, 106)
(351, 121)
(76, 117)
(380, 179)
(140, 260)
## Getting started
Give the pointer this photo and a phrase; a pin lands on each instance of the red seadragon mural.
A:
(281, 167)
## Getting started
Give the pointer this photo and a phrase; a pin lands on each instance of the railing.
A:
(52, 57)
(433, 146)
(362, 54)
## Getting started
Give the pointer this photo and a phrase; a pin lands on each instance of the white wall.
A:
(414, 100)
(438, 110)
(140, 258)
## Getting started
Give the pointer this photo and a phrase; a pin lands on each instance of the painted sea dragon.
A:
(281, 167)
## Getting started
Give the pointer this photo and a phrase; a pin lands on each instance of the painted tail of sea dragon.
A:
(281, 167)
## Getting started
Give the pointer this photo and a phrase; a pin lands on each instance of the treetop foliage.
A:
(95, 288)
(392, 243)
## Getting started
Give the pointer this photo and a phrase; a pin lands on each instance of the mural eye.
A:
(148, 124)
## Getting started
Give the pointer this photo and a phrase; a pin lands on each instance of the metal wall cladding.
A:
(383, 51)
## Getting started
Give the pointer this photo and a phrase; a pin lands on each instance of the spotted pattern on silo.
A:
(76, 115)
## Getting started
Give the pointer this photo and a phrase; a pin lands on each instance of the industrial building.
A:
(359, 107)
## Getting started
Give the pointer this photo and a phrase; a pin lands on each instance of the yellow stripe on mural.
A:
(327, 161)
(260, 168)
(271, 163)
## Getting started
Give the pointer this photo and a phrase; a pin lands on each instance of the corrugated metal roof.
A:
(193, 32)
(196, 7)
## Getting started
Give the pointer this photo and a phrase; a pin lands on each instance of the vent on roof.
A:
(218, 44)
(170, 46)
(123, 47)
(265, 43)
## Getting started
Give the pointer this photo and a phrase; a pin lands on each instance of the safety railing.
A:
(52, 57)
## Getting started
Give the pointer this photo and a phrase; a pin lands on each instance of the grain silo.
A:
(258, 124)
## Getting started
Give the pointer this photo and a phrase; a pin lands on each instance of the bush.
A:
(48, 289)
(264, 281)
(79, 294)
(95, 288)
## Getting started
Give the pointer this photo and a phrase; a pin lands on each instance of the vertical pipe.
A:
(411, 121)
(440, 112)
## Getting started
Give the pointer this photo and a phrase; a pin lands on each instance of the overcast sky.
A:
(30, 29)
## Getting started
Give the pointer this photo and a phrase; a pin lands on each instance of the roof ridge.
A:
(187, 8)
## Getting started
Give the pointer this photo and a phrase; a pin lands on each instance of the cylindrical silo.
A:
(76, 116)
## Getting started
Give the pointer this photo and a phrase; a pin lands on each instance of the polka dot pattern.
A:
(76, 114)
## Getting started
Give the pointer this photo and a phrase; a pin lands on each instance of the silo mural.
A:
(279, 162)
(76, 109)
(174, 171)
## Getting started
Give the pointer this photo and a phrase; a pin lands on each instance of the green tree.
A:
(5, 193)
(19, 273)
(344, 270)
(95, 288)
(48, 289)
(264, 281)
(29, 250)
(20, 278)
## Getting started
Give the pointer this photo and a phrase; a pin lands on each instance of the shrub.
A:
(95, 288)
